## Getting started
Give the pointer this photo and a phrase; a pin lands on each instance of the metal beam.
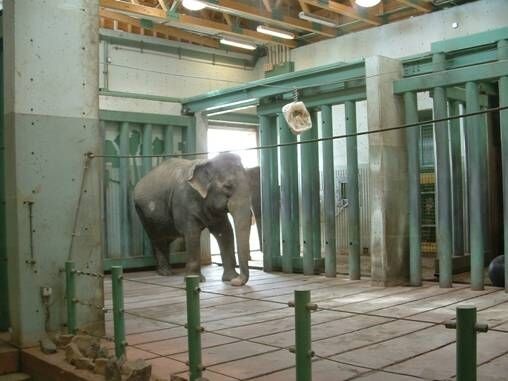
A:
(417, 4)
(471, 41)
(345, 10)
(142, 118)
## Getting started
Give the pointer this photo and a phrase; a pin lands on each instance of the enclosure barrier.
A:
(70, 294)
(193, 326)
(466, 327)
(118, 310)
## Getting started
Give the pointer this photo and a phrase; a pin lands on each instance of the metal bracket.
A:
(479, 327)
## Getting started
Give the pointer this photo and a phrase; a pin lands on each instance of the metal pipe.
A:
(475, 178)
(105, 70)
(118, 310)
(442, 152)
(147, 149)
(303, 335)
(329, 192)
(168, 140)
(124, 190)
(289, 209)
(70, 296)
(353, 193)
(194, 328)
(316, 202)
(413, 165)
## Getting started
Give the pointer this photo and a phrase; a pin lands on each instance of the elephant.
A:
(179, 198)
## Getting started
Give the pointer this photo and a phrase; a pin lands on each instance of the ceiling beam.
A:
(159, 14)
(163, 5)
(267, 5)
(254, 13)
(346, 10)
(417, 4)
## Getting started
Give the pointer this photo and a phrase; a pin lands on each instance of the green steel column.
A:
(118, 310)
(289, 209)
(189, 138)
(328, 192)
(147, 149)
(353, 193)
(413, 167)
(444, 202)
(193, 326)
(303, 339)
(476, 177)
(316, 201)
(70, 296)
(4, 294)
(503, 118)
(168, 140)
(457, 195)
(124, 190)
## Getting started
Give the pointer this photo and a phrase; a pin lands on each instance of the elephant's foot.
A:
(240, 280)
(229, 275)
(164, 271)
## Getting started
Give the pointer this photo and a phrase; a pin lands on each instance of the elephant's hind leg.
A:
(223, 233)
(161, 253)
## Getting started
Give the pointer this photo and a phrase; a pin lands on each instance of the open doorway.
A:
(225, 138)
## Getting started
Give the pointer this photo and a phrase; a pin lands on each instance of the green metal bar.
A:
(142, 118)
(328, 192)
(125, 223)
(168, 140)
(457, 195)
(289, 219)
(118, 310)
(189, 137)
(316, 202)
(147, 149)
(503, 121)
(466, 343)
(470, 41)
(353, 193)
(442, 152)
(303, 339)
(413, 166)
(476, 177)
(70, 296)
(193, 326)
(4, 294)
(124, 94)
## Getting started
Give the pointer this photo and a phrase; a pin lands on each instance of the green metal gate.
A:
(127, 134)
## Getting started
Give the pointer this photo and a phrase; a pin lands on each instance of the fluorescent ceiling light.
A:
(231, 110)
(367, 3)
(275, 32)
(193, 5)
(237, 43)
(317, 19)
(250, 100)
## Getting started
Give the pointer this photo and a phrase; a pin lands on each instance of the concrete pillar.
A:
(51, 91)
(388, 174)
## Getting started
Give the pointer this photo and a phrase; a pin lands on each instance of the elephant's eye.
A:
(228, 188)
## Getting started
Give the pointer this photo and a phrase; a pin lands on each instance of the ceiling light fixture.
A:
(275, 32)
(317, 19)
(193, 5)
(367, 3)
(237, 43)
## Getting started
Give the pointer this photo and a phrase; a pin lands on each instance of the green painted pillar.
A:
(443, 184)
(310, 199)
(316, 204)
(189, 138)
(4, 295)
(289, 206)
(269, 193)
(476, 175)
(70, 296)
(457, 194)
(168, 140)
(118, 310)
(303, 339)
(328, 192)
(147, 149)
(194, 328)
(125, 222)
(413, 166)
(503, 102)
(353, 193)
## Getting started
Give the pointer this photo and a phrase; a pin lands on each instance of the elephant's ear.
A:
(199, 177)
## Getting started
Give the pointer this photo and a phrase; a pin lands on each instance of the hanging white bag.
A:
(297, 117)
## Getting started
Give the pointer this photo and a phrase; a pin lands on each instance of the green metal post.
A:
(168, 140)
(457, 195)
(328, 192)
(118, 310)
(476, 177)
(147, 149)
(193, 326)
(303, 339)
(289, 219)
(413, 166)
(189, 138)
(125, 221)
(502, 47)
(4, 294)
(316, 202)
(353, 193)
(70, 296)
(444, 210)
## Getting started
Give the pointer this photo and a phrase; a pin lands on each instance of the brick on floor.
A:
(150, 336)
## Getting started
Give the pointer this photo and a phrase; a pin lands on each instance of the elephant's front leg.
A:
(223, 233)
(193, 247)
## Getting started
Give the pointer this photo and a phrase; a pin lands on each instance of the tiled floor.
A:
(359, 333)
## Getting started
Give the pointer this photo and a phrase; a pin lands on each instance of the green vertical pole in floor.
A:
(193, 326)
(189, 139)
(168, 140)
(303, 338)
(125, 231)
(502, 50)
(316, 202)
(118, 310)
(289, 218)
(147, 149)
(413, 167)
(4, 294)
(457, 195)
(328, 192)
(70, 296)
(444, 202)
(476, 175)
(353, 193)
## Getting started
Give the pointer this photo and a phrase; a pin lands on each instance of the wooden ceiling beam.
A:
(344, 10)
(416, 4)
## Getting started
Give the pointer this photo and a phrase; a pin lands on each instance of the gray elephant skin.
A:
(179, 198)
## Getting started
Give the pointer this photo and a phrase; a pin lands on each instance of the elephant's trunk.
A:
(239, 207)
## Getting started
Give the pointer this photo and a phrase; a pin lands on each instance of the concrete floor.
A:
(365, 333)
